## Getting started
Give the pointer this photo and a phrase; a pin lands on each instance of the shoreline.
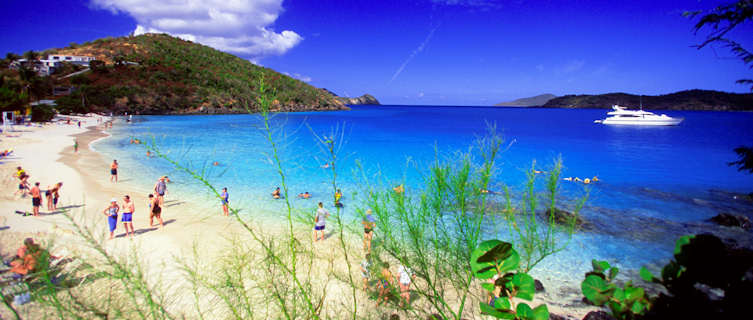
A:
(87, 189)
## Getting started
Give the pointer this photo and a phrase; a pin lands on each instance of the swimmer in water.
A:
(276, 194)
(595, 179)
(325, 166)
(399, 189)
(586, 180)
(568, 179)
(215, 163)
(576, 179)
(304, 195)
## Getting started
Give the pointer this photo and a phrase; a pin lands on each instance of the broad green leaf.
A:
(682, 241)
(599, 266)
(524, 311)
(646, 275)
(487, 309)
(619, 294)
(502, 303)
(638, 308)
(501, 251)
(488, 286)
(511, 263)
(484, 270)
(540, 313)
(525, 286)
(595, 290)
(613, 273)
(633, 293)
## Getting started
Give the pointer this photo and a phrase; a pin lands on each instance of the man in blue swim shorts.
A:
(128, 209)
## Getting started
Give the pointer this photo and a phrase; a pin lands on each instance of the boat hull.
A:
(643, 122)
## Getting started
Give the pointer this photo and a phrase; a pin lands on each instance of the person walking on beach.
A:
(385, 282)
(365, 273)
(48, 196)
(160, 189)
(114, 171)
(112, 216)
(56, 195)
(155, 211)
(224, 197)
(75, 145)
(405, 277)
(368, 230)
(36, 198)
(128, 210)
(320, 220)
(23, 186)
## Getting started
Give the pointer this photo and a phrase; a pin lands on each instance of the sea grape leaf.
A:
(682, 241)
(511, 263)
(487, 309)
(525, 285)
(540, 313)
(502, 303)
(619, 294)
(524, 311)
(488, 286)
(633, 293)
(505, 281)
(484, 269)
(638, 307)
(500, 251)
(600, 266)
(595, 289)
(613, 273)
(647, 275)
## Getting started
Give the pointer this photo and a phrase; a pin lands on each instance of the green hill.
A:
(534, 101)
(683, 100)
(160, 74)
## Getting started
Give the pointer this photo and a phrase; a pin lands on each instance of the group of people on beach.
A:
(155, 207)
(52, 194)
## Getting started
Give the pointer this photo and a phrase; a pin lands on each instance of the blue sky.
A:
(453, 52)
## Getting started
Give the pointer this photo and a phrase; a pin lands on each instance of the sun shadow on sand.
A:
(172, 203)
(145, 230)
(60, 210)
(4, 228)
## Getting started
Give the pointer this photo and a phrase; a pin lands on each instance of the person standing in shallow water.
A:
(114, 171)
(320, 221)
(224, 197)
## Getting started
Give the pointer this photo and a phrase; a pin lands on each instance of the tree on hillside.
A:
(31, 57)
(10, 56)
(721, 20)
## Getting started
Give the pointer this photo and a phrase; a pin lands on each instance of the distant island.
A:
(365, 99)
(154, 74)
(683, 100)
(534, 101)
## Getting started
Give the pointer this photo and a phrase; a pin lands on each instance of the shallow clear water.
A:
(655, 182)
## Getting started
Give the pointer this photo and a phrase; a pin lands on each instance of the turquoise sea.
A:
(655, 183)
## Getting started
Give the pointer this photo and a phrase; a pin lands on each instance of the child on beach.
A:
(114, 171)
(320, 221)
(56, 195)
(365, 273)
(112, 216)
(405, 277)
(385, 282)
(224, 197)
(368, 230)
(128, 210)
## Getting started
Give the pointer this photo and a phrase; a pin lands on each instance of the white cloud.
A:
(237, 26)
(298, 76)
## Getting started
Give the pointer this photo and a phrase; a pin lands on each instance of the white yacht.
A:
(622, 116)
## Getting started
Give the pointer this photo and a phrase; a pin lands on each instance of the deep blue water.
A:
(648, 174)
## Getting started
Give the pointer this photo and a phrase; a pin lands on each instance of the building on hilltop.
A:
(80, 60)
(46, 67)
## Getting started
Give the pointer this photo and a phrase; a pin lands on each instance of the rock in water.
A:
(732, 220)
(566, 217)
(539, 286)
(598, 315)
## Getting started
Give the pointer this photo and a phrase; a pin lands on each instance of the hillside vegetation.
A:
(534, 101)
(160, 74)
(683, 100)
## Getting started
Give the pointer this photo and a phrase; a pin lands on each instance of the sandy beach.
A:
(47, 155)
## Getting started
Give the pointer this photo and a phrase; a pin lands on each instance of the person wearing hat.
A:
(112, 215)
(160, 189)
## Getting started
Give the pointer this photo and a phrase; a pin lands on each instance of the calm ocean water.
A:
(656, 183)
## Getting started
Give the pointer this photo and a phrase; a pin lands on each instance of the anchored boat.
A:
(622, 116)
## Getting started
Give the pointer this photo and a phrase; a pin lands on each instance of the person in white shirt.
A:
(320, 220)
(405, 277)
